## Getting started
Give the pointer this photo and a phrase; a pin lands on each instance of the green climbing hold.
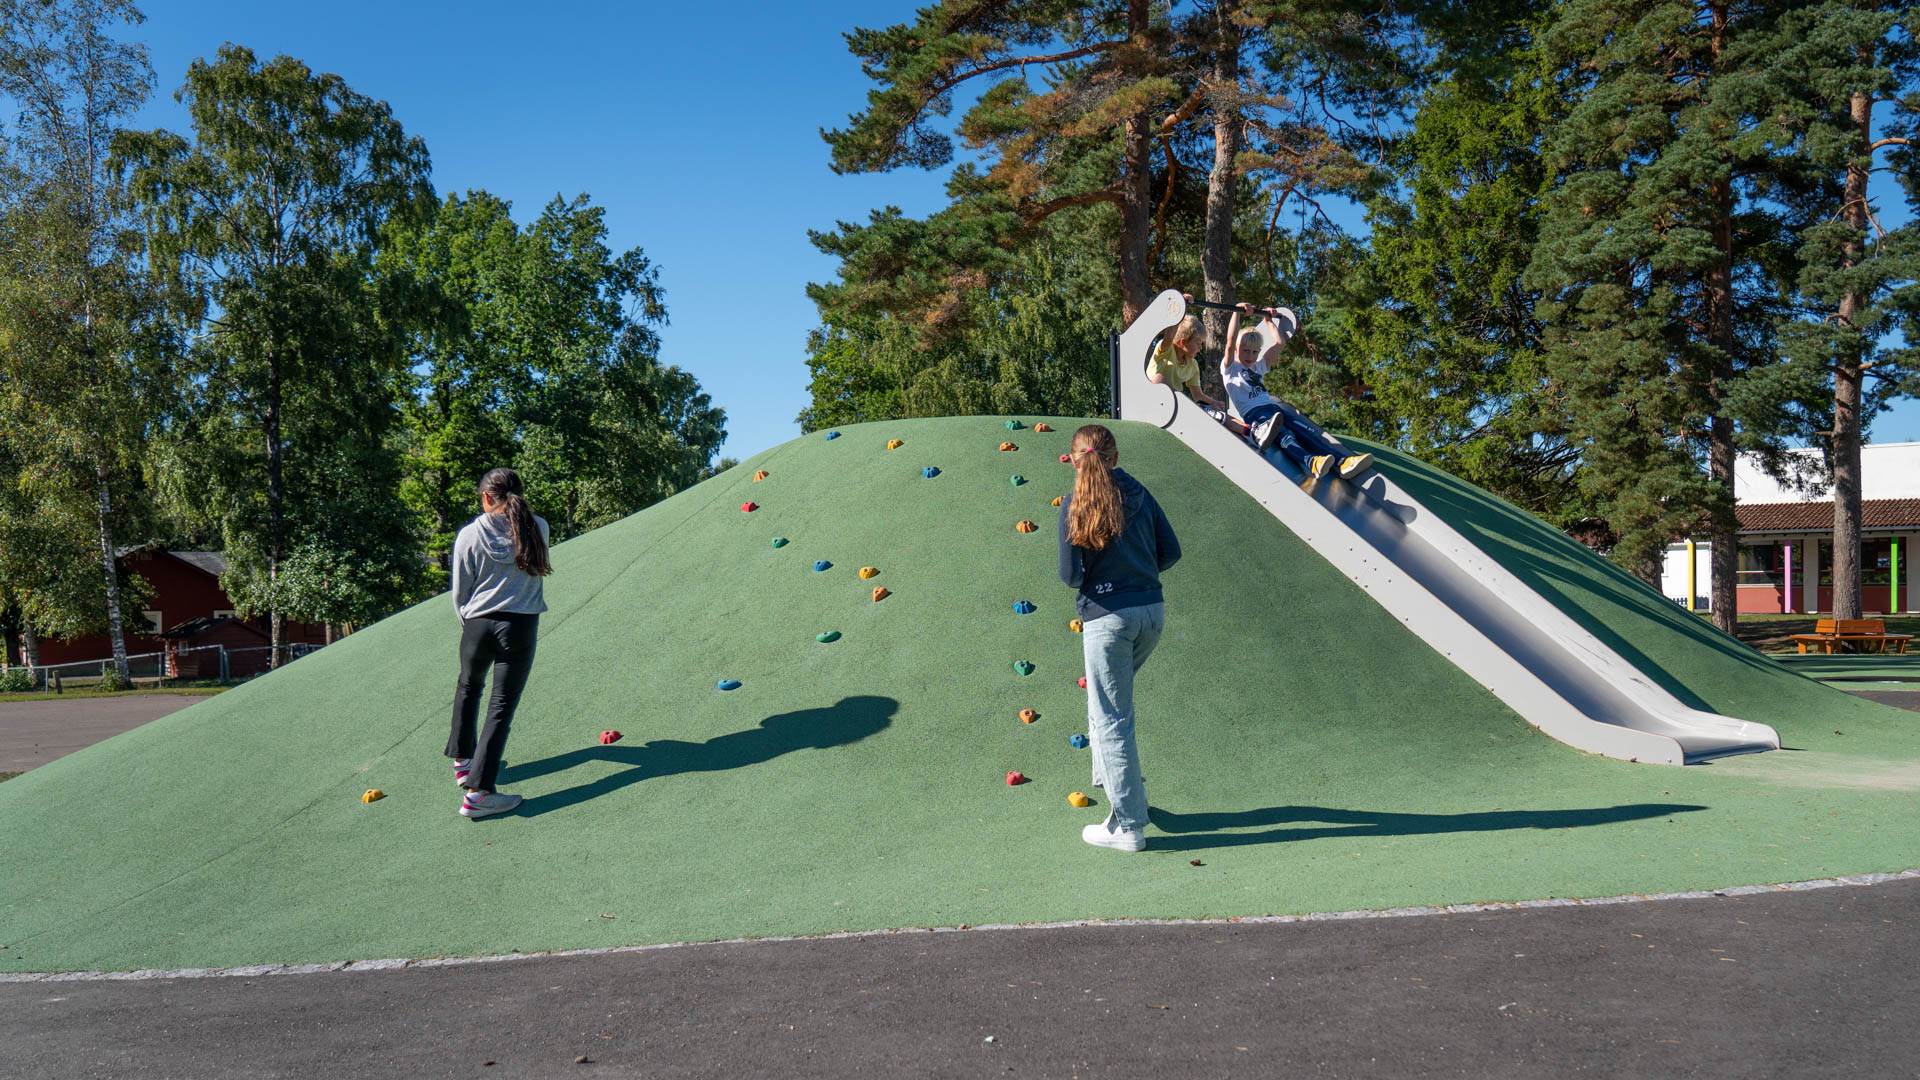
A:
(1014, 425)
(1023, 667)
(779, 541)
(1016, 479)
(831, 635)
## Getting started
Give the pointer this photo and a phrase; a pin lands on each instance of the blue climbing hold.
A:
(1023, 667)
(930, 472)
(779, 541)
(1023, 607)
(1016, 479)
(1078, 742)
(832, 435)
(729, 684)
(821, 564)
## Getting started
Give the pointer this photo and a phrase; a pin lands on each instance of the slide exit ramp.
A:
(1489, 623)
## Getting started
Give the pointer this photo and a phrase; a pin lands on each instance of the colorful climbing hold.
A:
(729, 684)
(821, 564)
(1008, 446)
(1043, 427)
(930, 472)
(608, 738)
(1076, 626)
(1064, 458)
(1016, 479)
(372, 795)
(1077, 741)
(1014, 425)
(894, 444)
(1024, 667)
(759, 476)
(1079, 798)
(1083, 682)
(880, 593)
(1023, 607)
(1028, 716)
(832, 435)
(869, 571)
(1056, 500)
(749, 507)
(1025, 526)
(1016, 778)
(829, 636)
(780, 541)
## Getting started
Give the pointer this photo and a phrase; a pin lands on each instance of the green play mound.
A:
(1303, 751)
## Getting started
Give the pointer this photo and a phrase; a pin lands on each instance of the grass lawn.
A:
(194, 689)
(8, 775)
(1773, 633)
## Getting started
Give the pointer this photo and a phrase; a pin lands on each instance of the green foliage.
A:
(112, 681)
(16, 680)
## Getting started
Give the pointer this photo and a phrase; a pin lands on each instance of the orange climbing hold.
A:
(894, 444)
(869, 571)
(1043, 427)
(1056, 500)
(1008, 446)
(759, 476)
(880, 593)
(1028, 716)
(1026, 526)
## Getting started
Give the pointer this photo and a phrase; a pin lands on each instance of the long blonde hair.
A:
(1096, 516)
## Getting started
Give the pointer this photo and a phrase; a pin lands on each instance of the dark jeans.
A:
(1294, 438)
(505, 640)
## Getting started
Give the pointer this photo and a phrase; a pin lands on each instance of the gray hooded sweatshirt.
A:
(485, 579)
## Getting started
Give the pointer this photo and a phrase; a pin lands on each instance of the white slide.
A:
(1526, 651)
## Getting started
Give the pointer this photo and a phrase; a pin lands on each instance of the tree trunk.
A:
(110, 572)
(30, 644)
(1848, 373)
(1216, 254)
(1136, 180)
(276, 496)
(1724, 524)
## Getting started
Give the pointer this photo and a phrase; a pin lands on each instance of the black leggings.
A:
(505, 640)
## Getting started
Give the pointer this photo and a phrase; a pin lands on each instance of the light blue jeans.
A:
(1116, 645)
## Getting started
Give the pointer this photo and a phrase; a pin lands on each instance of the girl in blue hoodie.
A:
(1114, 543)
(499, 559)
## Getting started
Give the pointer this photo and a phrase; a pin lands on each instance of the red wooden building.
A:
(188, 609)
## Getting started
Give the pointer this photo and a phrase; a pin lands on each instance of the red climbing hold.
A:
(1064, 458)
(1016, 778)
(608, 738)
(1083, 682)
(749, 507)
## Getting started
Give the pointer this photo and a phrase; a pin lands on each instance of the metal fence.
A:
(200, 662)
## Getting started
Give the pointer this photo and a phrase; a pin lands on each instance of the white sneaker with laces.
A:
(1099, 835)
(479, 804)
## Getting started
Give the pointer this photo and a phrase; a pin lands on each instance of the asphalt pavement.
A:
(33, 733)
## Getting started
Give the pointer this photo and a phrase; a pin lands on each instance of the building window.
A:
(154, 623)
(1761, 564)
(226, 613)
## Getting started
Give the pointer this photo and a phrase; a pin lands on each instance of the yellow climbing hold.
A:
(894, 444)
(1008, 446)
(869, 571)
(1056, 500)
(1076, 626)
(759, 476)
(1026, 526)
(1079, 799)
(373, 794)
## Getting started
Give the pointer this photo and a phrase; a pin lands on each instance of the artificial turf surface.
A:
(1302, 750)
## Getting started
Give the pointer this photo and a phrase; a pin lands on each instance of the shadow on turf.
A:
(849, 721)
(1192, 832)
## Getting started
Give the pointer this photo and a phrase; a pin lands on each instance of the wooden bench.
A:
(1866, 635)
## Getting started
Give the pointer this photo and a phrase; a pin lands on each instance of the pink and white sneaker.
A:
(479, 804)
(460, 771)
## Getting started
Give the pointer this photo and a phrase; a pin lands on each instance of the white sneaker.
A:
(479, 804)
(1099, 835)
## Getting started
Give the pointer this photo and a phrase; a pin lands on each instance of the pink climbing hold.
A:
(749, 507)
(608, 738)
(1083, 682)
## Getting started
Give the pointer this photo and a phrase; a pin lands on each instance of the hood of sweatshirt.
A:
(496, 537)
(1133, 496)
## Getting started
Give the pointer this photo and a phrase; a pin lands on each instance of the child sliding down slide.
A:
(1271, 423)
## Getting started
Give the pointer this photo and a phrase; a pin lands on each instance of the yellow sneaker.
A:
(1355, 465)
(1321, 465)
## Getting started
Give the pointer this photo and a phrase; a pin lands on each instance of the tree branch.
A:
(1019, 61)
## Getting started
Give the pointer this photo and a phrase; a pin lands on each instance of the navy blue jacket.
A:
(1125, 573)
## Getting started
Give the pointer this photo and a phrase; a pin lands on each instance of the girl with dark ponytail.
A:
(1114, 543)
(499, 559)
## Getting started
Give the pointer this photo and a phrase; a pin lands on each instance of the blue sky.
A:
(695, 125)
